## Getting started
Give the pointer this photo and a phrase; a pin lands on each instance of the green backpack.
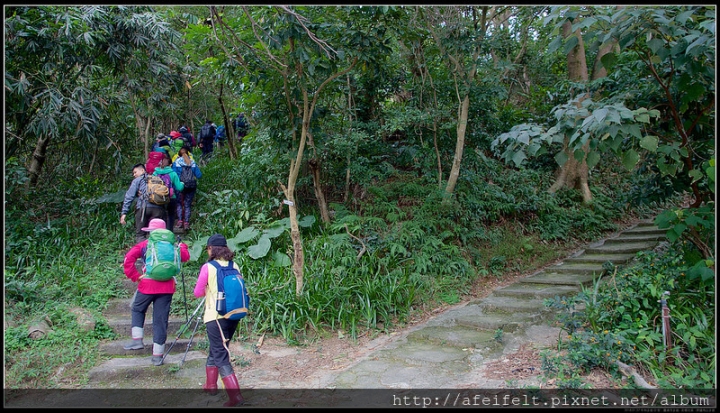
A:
(162, 255)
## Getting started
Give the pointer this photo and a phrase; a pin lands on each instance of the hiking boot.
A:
(134, 345)
(186, 225)
(179, 225)
(157, 360)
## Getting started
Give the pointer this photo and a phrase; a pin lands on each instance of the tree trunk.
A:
(38, 160)
(574, 173)
(228, 137)
(459, 146)
(317, 186)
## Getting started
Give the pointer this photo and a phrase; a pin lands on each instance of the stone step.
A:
(626, 248)
(509, 305)
(122, 324)
(559, 279)
(602, 258)
(120, 306)
(456, 336)
(472, 315)
(123, 368)
(579, 268)
(419, 354)
(115, 347)
(627, 238)
(645, 230)
(541, 291)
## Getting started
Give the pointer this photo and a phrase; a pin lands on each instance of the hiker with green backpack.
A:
(162, 257)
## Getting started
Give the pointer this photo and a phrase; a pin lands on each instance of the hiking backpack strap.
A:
(218, 274)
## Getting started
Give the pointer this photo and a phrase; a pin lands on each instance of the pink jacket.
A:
(146, 285)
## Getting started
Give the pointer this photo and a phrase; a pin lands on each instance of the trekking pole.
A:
(183, 329)
(197, 323)
(182, 277)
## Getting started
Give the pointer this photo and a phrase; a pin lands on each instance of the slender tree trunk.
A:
(350, 106)
(459, 146)
(38, 160)
(229, 141)
(317, 186)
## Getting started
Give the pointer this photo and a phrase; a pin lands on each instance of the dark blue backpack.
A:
(233, 299)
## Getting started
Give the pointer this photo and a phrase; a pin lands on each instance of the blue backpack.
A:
(233, 299)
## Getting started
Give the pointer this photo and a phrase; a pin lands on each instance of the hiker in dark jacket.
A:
(187, 137)
(186, 196)
(155, 292)
(144, 210)
(207, 137)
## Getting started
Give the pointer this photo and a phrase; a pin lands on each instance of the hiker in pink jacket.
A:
(157, 293)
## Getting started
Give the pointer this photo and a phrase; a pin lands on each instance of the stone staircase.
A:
(452, 348)
(121, 364)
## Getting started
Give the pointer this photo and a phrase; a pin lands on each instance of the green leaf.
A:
(561, 158)
(608, 60)
(630, 159)
(198, 247)
(649, 143)
(592, 159)
(519, 157)
(307, 221)
(274, 231)
(572, 41)
(696, 175)
(655, 45)
(246, 235)
(260, 249)
(281, 259)
(600, 114)
(113, 198)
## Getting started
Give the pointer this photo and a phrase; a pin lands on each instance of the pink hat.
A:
(155, 223)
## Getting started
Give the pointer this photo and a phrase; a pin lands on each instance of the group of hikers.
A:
(171, 160)
(157, 288)
(163, 189)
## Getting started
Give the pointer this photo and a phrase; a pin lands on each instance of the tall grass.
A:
(392, 255)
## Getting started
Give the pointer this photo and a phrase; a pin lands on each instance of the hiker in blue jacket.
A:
(186, 196)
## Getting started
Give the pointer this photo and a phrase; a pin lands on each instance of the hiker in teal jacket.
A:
(165, 168)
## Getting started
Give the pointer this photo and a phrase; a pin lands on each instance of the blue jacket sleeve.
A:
(196, 171)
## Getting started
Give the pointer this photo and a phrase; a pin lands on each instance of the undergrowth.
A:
(619, 319)
(401, 251)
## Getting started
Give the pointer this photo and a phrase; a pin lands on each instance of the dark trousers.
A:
(143, 216)
(161, 313)
(217, 354)
(172, 206)
(184, 202)
(207, 147)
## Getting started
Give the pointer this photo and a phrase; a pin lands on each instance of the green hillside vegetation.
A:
(369, 191)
